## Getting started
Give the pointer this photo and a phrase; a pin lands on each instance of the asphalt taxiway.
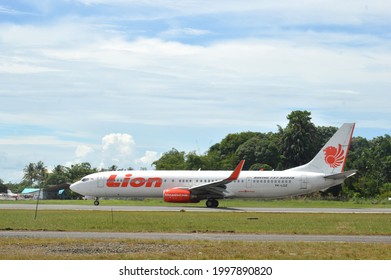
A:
(191, 209)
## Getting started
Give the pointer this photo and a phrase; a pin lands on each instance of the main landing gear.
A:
(212, 203)
(96, 202)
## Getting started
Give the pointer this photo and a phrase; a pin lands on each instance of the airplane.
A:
(9, 194)
(325, 170)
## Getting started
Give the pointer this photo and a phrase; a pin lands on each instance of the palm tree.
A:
(35, 172)
(41, 171)
(30, 173)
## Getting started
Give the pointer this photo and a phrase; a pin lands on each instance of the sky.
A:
(121, 82)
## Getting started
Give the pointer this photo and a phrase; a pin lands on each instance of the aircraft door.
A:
(100, 182)
(249, 183)
(304, 182)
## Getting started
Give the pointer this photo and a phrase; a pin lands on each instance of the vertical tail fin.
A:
(331, 158)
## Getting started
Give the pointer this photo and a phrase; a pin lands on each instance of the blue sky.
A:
(120, 82)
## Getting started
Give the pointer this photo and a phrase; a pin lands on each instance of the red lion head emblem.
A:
(333, 156)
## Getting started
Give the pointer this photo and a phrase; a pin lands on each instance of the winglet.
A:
(236, 172)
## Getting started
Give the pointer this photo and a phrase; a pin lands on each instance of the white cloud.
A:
(281, 12)
(152, 81)
(118, 149)
(9, 11)
(174, 32)
(82, 151)
(106, 68)
(120, 143)
(148, 158)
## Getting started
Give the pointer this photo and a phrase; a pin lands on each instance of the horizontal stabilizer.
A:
(342, 175)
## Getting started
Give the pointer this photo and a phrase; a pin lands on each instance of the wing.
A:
(217, 189)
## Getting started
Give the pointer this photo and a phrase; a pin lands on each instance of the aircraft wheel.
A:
(96, 202)
(212, 203)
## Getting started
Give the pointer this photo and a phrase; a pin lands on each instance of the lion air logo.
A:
(333, 156)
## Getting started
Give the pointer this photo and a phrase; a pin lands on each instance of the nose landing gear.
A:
(96, 202)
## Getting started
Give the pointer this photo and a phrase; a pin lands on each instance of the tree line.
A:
(294, 145)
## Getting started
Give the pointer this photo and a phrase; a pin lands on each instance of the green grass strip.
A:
(262, 223)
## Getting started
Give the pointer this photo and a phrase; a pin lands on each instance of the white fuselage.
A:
(250, 184)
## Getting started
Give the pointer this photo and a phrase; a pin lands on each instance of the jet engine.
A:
(179, 196)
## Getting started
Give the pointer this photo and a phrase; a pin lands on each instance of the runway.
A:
(192, 209)
(199, 236)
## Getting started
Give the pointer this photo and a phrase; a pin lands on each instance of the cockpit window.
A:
(85, 179)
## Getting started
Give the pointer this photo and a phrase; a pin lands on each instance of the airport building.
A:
(61, 191)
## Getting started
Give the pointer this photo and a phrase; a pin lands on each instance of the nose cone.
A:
(75, 187)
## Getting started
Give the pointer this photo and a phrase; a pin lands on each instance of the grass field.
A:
(60, 249)
(211, 222)
(265, 223)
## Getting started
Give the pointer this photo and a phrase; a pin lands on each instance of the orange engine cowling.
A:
(179, 196)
